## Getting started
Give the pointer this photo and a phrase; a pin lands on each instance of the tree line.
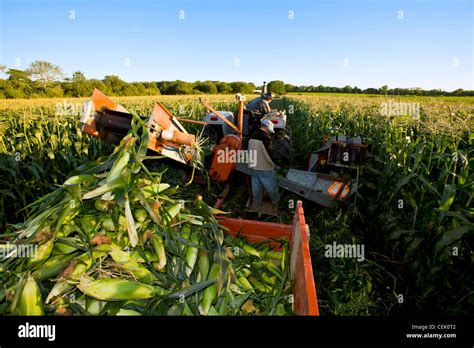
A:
(44, 79)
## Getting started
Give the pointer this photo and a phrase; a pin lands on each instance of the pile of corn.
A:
(116, 240)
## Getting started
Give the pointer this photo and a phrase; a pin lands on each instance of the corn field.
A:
(412, 209)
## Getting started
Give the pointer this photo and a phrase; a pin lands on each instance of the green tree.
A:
(347, 89)
(99, 84)
(140, 88)
(151, 88)
(183, 88)
(19, 84)
(54, 92)
(223, 88)
(206, 87)
(18, 75)
(166, 87)
(129, 89)
(290, 88)
(44, 72)
(77, 85)
(277, 87)
(114, 84)
(241, 87)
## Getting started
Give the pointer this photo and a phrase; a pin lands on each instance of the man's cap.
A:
(269, 124)
(267, 95)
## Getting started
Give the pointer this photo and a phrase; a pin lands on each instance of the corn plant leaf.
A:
(142, 150)
(191, 289)
(402, 182)
(154, 216)
(414, 244)
(239, 301)
(93, 167)
(452, 236)
(428, 184)
(418, 155)
(447, 197)
(398, 233)
(99, 191)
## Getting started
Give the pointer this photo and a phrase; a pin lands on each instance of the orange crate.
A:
(304, 291)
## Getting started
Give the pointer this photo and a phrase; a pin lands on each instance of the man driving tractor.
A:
(263, 175)
(261, 105)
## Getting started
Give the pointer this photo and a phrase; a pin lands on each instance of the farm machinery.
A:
(328, 176)
(326, 179)
(107, 120)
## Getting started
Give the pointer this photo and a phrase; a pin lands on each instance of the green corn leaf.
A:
(452, 236)
(447, 197)
(191, 289)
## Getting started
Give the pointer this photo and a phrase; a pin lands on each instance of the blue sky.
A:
(367, 43)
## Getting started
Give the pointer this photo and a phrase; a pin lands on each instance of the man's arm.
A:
(266, 107)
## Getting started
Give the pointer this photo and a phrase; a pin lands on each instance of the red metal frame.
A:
(304, 290)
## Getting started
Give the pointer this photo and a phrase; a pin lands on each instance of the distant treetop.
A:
(44, 79)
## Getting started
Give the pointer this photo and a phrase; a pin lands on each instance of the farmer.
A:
(261, 105)
(263, 169)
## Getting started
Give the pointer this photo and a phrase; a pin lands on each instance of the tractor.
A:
(326, 180)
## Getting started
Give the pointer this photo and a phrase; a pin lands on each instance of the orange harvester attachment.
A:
(225, 157)
(102, 117)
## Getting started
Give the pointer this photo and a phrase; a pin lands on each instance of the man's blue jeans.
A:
(263, 179)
